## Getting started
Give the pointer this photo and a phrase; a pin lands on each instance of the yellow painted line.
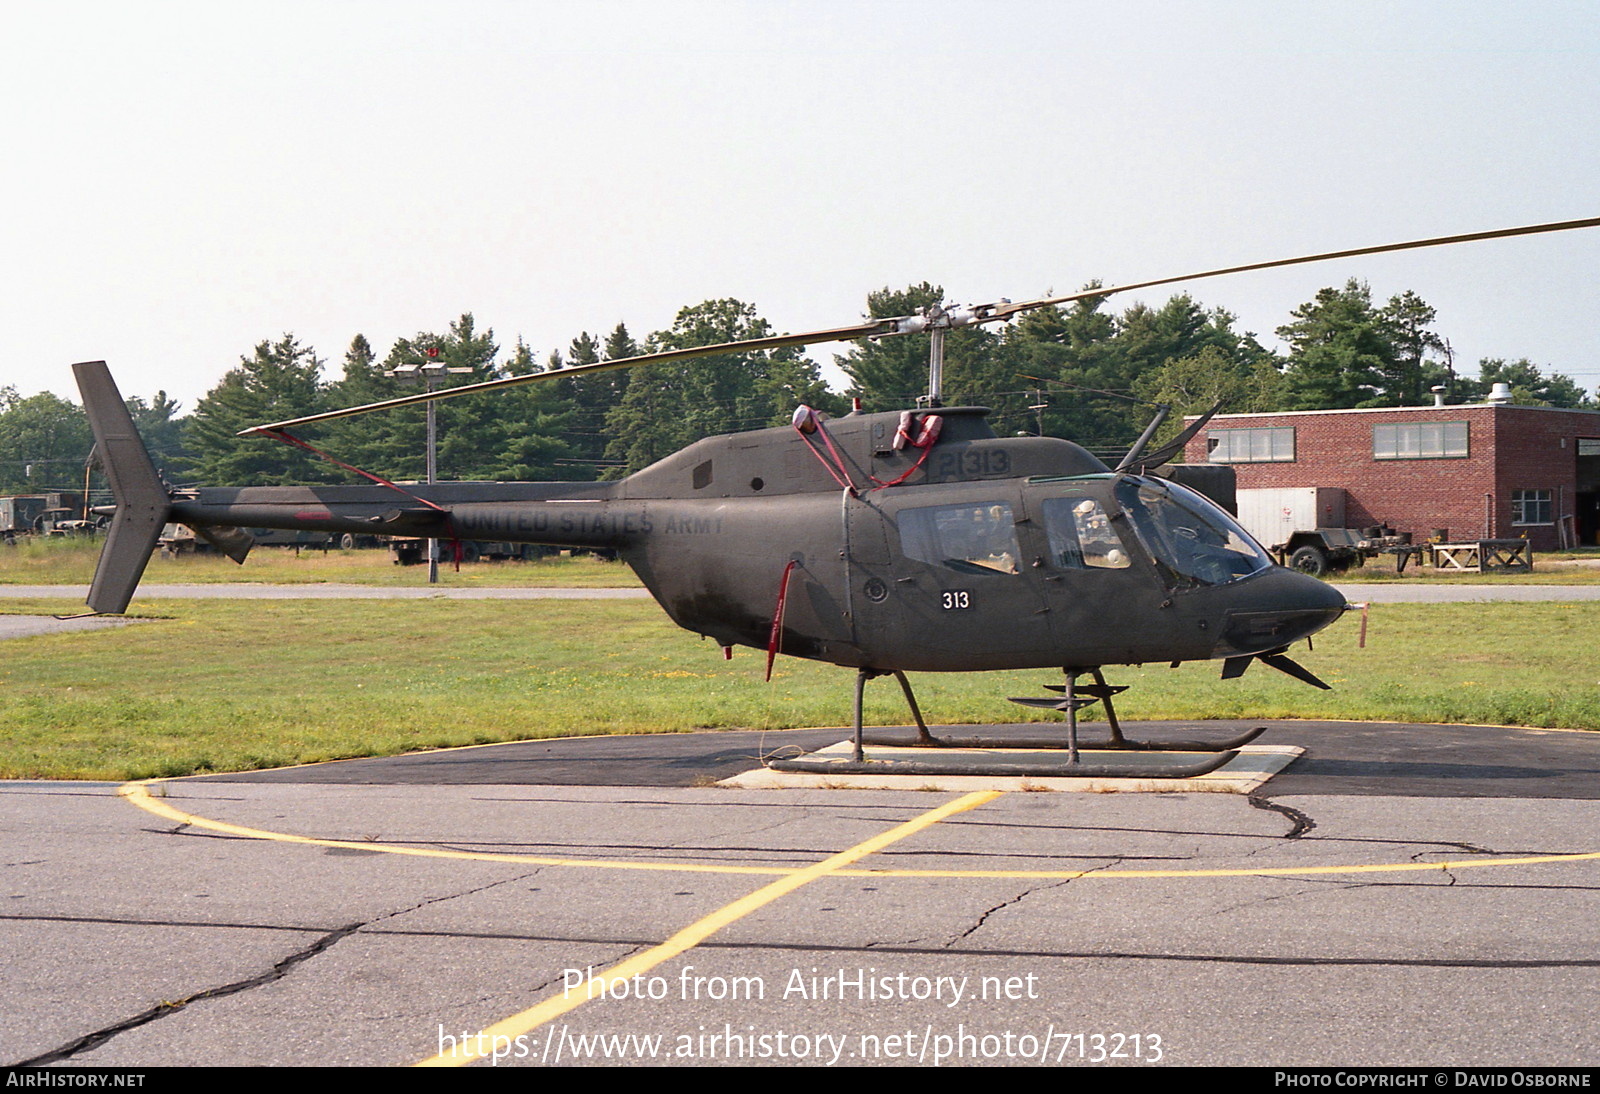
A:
(509, 1029)
(139, 794)
(1254, 871)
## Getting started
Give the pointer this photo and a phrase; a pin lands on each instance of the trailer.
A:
(1304, 526)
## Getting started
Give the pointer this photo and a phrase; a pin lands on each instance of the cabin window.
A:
(1419, 441)
(966, 538)
(1081, 536)
(1267, 445)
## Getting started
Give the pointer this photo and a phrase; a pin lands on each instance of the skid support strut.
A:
(1006, 756)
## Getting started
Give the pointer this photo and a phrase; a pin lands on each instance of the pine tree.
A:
(527, 437)
(280, 380)
(1406, 319)
(1074, 356)
(1340, 356)
(669, 406)
(158, 423)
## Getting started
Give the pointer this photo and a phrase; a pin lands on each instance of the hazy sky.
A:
(186, 180)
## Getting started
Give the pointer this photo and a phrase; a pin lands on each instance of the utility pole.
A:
(432, 373)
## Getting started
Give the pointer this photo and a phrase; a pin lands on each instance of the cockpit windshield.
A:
(1190, 536)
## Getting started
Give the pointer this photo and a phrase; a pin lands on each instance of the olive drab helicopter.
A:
(912, 541)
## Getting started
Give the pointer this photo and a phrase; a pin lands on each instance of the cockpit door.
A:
(961, 590)
(1106, 603)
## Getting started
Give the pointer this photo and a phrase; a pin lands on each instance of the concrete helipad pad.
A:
(1252, 767)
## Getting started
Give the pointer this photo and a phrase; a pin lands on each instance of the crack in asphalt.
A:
(162, 1010)
(90, 1041)
(713, 853)
(984, 918)
(1300, 823)
(508, 997)
(1029, 891)
(781, 822)
(979, 922)
(119, 921)
(914, 950)
(1474, 849)
(450, 896)
(886, 810)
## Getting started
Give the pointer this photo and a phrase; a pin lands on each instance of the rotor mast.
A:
(937, 320)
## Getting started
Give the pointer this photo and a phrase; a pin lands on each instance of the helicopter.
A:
(896, 542)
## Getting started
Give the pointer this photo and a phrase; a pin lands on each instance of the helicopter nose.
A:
(1284, 607)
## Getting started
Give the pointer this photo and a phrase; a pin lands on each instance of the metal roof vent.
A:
(1438, 394)
(1500, 395)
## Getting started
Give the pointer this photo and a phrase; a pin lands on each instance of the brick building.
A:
(1487, 471)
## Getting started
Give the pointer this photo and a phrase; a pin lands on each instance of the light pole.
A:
(432, 373)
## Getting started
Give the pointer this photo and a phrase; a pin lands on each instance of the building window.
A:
(1530, 507)
(1274, 445)
(1419, 441)
(1589, 446)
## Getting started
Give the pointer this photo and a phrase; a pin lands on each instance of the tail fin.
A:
(142, 498)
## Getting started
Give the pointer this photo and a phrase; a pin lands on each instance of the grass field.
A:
(1580, 567)
(60, 561)
(233, 685)
(71, 562)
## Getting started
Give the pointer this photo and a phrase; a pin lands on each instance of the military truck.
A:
(410, 551)
(57, 513)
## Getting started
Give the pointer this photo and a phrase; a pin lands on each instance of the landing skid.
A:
(1179, 745)
(1014, 765)
(1165, 759)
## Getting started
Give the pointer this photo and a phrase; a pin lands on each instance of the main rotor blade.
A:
(1006, 311)
(879, 328)
(778, 341)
